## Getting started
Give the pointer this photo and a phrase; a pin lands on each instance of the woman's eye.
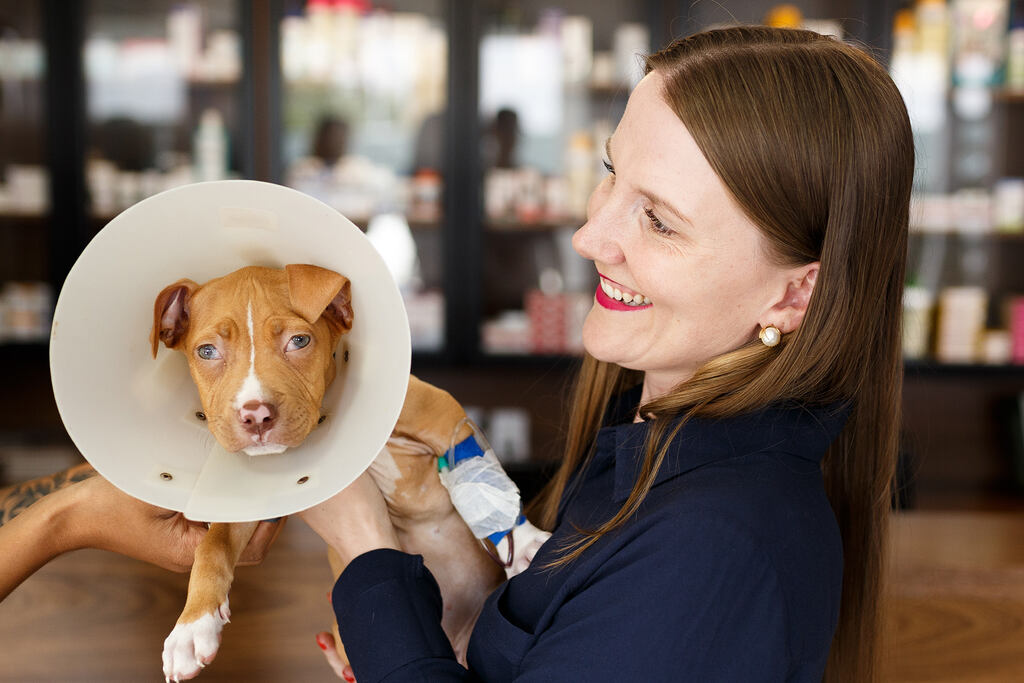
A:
(208, 352)
(656, 223)
(299, 341)
(608, 166)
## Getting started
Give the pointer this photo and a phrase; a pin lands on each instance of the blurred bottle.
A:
(784, 16)
(1015, 59)
(185, 34)
(920, 67)
(580, 171)
(918, 318)
(210, 147)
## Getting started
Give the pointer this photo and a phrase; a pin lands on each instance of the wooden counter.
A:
(96, 616)
(956, 598)
(955, 610)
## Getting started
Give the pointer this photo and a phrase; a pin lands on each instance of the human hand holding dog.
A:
(77, 508)
(357, 520)
(354, 521)
(109, 519)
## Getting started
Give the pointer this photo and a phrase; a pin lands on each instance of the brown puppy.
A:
(260, 346)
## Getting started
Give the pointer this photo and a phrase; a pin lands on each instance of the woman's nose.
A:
(596, 241)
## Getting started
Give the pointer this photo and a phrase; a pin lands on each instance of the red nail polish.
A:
(349, 677)
(322, 644)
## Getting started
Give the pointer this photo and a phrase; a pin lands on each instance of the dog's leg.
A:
(194, 641)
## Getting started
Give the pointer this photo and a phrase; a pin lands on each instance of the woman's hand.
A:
(326, 642)
(354, 521)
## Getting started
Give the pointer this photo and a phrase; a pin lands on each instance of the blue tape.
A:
(497, 536)
(465, 450)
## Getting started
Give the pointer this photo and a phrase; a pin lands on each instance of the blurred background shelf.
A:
(464, 138)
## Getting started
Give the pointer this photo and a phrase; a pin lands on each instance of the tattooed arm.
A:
(77, 508)
(32, 518)
(15, 499)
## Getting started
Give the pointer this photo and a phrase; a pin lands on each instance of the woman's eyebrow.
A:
(650, 195)
(660, 201)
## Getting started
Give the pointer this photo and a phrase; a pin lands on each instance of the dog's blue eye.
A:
(299, 341)
(208, 352)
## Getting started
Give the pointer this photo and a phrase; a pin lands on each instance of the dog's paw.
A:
(193, 645)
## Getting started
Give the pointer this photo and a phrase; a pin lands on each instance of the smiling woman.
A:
(774, 270)
(719, 514)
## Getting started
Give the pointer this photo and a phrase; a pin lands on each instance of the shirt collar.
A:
(800, 430)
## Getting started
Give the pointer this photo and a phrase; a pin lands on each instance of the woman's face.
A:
(662, 229)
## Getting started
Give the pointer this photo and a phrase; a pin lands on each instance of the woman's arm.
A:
(693, 599)
(387, 604)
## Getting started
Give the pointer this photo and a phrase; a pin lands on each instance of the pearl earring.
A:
(770, 336)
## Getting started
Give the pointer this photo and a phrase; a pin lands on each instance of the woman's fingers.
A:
(326, 642)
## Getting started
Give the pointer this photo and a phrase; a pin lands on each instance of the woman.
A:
(721, 509)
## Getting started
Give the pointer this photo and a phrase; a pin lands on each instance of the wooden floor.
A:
(955, 610)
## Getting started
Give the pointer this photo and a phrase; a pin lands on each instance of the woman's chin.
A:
(603, 348)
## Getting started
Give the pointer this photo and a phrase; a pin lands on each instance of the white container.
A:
(577, 48)
(961, 321)
(632, 43)
(211, 147)
(918, 310)
(185, 35)
(1008, 205)
(1015, 60)
(996, 347)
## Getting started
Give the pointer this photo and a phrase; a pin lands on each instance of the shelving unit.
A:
(949, 408)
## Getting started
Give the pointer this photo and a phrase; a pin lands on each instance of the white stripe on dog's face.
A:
(251, 389)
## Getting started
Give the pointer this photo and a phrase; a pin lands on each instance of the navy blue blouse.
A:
(730, 571)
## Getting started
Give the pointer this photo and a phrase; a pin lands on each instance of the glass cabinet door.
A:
(553, 84)
(364, 100)
(25, 293)
(163, 94)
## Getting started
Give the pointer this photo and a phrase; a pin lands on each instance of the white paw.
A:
(528, 539)
(192, 646)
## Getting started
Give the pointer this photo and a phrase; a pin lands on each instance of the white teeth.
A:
(617, 294)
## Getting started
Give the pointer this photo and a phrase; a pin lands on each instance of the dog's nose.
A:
(257, 417)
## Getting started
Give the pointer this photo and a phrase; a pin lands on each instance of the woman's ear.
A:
(787, 313)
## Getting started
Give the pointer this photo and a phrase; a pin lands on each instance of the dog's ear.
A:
(170, 314)
(316, 292)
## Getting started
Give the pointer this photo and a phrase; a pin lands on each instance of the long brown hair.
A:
(812, 139)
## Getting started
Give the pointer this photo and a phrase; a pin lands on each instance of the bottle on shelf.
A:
(210, 147)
